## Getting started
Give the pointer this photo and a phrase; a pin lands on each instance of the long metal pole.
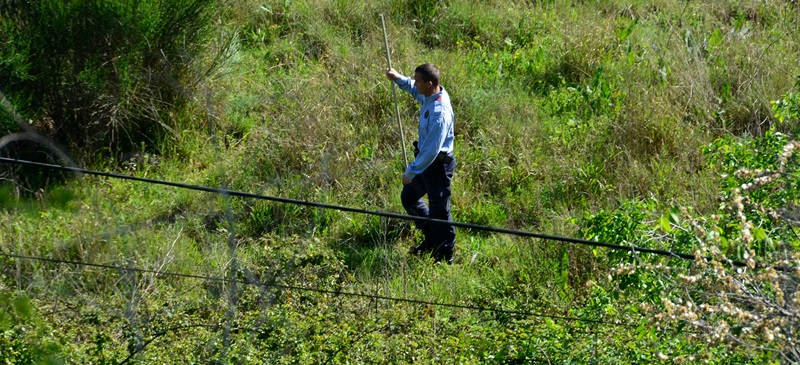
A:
(394, 93)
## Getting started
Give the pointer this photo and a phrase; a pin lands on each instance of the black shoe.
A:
(444, 254)
(423, 248)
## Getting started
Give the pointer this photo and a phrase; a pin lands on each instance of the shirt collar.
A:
(435, 96)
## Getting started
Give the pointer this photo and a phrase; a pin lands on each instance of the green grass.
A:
(561, 110)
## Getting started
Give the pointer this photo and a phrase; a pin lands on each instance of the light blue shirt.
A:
(435, 126)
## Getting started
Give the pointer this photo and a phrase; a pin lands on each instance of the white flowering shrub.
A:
(741, 291)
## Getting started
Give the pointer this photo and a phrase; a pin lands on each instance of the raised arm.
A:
(405, 83)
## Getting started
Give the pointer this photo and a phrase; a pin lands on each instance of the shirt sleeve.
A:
(430, 146)
(407, 84)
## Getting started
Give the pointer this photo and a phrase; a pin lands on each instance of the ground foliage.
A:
(102, 75)
(741, 291)
(654, 123)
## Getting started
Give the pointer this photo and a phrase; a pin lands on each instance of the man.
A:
(431, 172)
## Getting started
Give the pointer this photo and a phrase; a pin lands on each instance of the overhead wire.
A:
(478, 227)
(241, 194)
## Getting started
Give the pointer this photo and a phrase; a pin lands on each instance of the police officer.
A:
(431, 172)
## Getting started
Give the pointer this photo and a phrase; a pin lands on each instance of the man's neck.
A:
(436, 90)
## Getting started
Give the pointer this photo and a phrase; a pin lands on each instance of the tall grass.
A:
(562, 108)
(103, 74)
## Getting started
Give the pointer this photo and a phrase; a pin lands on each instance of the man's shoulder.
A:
(444, 97)
(437, 107)
(442, 102)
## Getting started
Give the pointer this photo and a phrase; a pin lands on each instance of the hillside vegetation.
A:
(662, 124)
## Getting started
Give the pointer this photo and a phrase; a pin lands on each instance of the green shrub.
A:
(94, 73)
(24, 339)
(754, 226)
(787, 110)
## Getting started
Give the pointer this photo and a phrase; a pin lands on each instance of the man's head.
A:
(426, 79)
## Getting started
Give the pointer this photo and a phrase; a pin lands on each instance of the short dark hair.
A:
(428, 72)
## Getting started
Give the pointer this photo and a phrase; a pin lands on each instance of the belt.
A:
(444, 157)
(441, 157)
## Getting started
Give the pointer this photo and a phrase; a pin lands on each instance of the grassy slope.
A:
(560, 109)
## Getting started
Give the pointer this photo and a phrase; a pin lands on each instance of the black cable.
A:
(317, 290)
(514, 232)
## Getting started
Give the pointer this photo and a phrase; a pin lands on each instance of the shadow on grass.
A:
(369, 245)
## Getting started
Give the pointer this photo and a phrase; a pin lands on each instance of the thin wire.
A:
(631, 248)
(310, 289)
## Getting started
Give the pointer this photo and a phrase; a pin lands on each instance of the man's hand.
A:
(406, 180)
(391, 74)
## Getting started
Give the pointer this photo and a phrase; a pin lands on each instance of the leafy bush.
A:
(24, 339)
(751, 305)
(100, 73)
(788, 109)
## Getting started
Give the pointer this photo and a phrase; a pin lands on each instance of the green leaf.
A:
(674, 218)
(716, 38)
(759, 234)
(663, 222)
(641, 331)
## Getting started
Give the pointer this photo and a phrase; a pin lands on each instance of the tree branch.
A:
(159, 334)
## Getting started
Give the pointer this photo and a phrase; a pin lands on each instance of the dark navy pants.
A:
(435, 182)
